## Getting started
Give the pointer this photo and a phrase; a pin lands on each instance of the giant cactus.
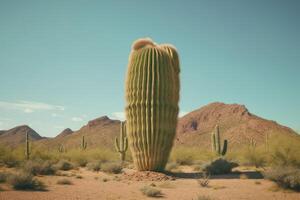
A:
(122, 144)
(152, 95)
(216, 143)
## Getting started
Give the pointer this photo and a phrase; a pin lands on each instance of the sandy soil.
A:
(185, 187)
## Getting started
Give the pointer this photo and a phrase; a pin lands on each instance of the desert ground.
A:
(183, 185)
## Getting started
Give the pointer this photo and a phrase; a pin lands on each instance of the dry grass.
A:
(151, 191)
(64, 181)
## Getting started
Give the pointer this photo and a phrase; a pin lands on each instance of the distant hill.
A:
(15, 136)
(236, 123)
(98, 132)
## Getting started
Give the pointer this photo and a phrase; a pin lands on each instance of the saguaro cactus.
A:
(152, 95)
(61, 148)
(27, 147)
(83, 144)
(216, 142)
(122, 145)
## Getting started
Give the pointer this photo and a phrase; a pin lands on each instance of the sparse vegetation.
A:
(25, 181)
(78, 177)
(285, 177)
(64, 181)
(39, 167)
(219, 166)
(63, 165)
(204, 180)
(3, 177)
(105, 179)
(112, 167)
(94, 166)
(151, 191)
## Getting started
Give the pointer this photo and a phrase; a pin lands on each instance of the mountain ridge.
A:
(237, 124)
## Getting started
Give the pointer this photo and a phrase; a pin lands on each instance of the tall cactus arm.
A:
(224, 151)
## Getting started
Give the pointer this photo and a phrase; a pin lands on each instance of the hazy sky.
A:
(63, 63)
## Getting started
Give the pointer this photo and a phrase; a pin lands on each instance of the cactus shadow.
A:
(233, 175)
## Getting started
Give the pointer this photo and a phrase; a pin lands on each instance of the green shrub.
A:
(94, 166)
(63, 165)
(150, 191)
(25, 181)
(112, 167)
(219, 166)
(4, 176)
(188, 155)
(285, 177)
(257, 159)
(64, 181)
(39, 167)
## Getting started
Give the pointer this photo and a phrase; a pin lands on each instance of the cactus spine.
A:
(83, 145)
(122, 145)
(27, 147)
(152, 95)
(216, 142)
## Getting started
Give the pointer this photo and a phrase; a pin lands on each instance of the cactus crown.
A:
(141, 43)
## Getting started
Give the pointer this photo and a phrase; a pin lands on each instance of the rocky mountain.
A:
(236, 123)
(64, 133)
(15, 136)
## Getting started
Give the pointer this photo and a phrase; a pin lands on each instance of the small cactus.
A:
(216, 144)
(27, 147)
(122, 145)
(83, 145)
(252, 143)
(267, 142)
(61, 148)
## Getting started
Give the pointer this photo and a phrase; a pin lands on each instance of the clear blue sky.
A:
(63, 62)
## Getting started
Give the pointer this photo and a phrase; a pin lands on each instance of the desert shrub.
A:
(284, 156)
(188, 156)
(219, 166)
(94, 166)
(151, 191)
(8, 158)
(63, 165)
(255, 158)
(204, 180)
(39, 153)
(39, 167)
(285, 177)
(112, 167)
(78, 177)
(64, 181)
(81, 158)
(4, 176)
(25, 181)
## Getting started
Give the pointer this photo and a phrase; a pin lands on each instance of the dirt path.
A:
(92, 187)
